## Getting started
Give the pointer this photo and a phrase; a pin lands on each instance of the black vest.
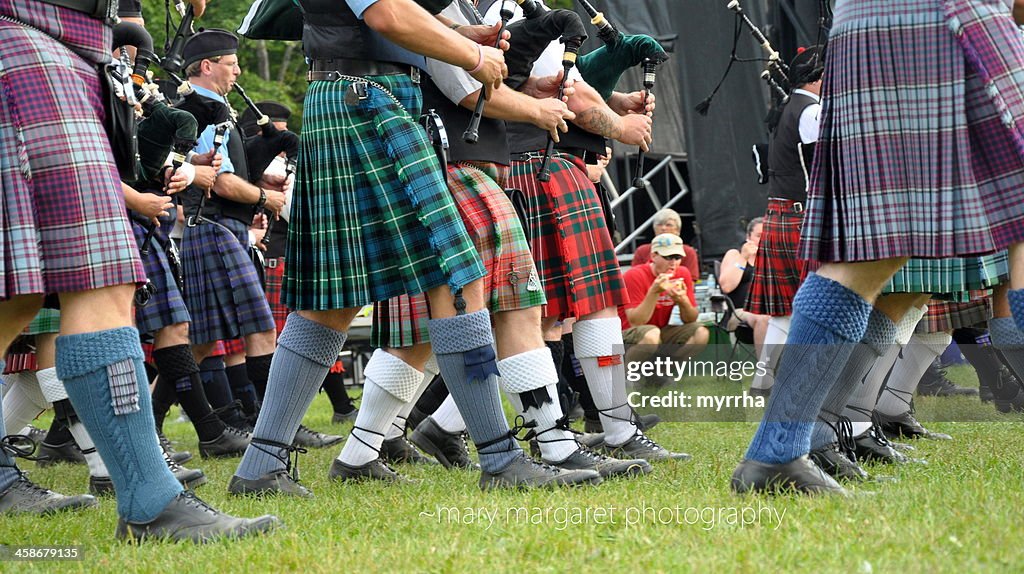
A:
(786, 166)
(524, 138)
(331, 30)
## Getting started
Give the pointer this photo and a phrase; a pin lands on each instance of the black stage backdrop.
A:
(717, 146)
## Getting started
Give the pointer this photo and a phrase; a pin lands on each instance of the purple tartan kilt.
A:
(166, 306)
(62, 216)
(921, 152)
(222, 290)
(569, 238)
(778, 271)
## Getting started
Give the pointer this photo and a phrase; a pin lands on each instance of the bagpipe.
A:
(530, 37)
(603, 67)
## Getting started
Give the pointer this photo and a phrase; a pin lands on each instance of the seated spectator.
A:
(668, 221)
(736, 275)
(654, 289)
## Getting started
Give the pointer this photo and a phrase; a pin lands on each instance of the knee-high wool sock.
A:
(906, 373)
(105, 378)
(8, 470)
(23, 401)
(389, 384)
(397, 427)
(530, 379)
(598, 345)
(828, 320)
(177, 365)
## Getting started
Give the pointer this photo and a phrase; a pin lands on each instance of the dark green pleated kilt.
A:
(371, 216)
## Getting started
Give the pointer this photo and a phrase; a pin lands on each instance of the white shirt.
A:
(809, 124)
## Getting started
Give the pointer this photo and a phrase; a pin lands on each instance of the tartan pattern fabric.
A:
(45, 321)
(569, 238)
(222, 290)
(920, 151)
(273, 277)
(949, 315)
(232, 347)
(62, 219)
(778, 272)
(511, 282)
(87, 37)
(371, 215)
(166, 306)
(951, 278)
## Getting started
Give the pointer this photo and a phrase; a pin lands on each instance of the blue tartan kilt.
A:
(222, 288)
(951, 279)
(166, 306)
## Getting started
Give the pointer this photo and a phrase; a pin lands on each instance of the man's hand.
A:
(277, 182)
(150, 205)
(206, 176)
(198, 7)
(631, 103)
(275, 200)
(662, 283)
(551, 115)
(636, 130)
(493, 70)
(209, 158)
(486, 35)
(181, 179)
(678, 291)
(547, 87)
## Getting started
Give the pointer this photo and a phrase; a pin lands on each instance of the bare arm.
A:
(641, 314)
(230, 186)
(547, 114)
(730, 276)
(594, 115)
(1018, 12)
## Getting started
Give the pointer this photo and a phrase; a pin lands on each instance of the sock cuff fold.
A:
(78, 355)
(461, 333)
(597, 337)
(318, 343)
(528, 371)
(833, 306)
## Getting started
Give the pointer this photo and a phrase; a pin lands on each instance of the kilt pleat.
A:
(948, 315)
(920, 151)
(951, 279)
(569, 238)
(272, 280)
(222, 289)
(166, 306)
(511, 282)
(371, 215)
(62, 218)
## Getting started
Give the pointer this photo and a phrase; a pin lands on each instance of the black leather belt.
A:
(526, 156)
(102, 9)
(332, 69)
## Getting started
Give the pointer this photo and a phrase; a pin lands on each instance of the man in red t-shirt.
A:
(654, 289)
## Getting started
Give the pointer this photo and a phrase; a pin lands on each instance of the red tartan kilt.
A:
(273, 277)
(778, 271)
(569, 238)
(949, 315)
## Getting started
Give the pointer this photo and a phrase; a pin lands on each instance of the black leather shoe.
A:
(276, 482)
(799, 475)
(906, 426)
(934, 383)
(872, 446)
(585, 458)
(1008, 392)
(643, 422)
(180, 457)
(232, 442)
(101, 486)
(309, 438)
(374, 470)
(449, 449)
(50, 454)
(524, 472)
(36, 435)
(26, 497)
(350, 416)
(187, 517)
(400, 450)
(188, 477)
(835, 463)
(641, 446)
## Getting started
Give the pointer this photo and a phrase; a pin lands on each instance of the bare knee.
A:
(337, 319)
(700, 336)
(262, 343)
(171, 335)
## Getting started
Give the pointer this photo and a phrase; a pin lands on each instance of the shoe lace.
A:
(843, 429)
(592, 454)
(14, 446)
(191, 499)
(319, 435)
(287, 454)
(518, 425)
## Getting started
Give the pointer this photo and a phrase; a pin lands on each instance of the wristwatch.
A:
(263, 198)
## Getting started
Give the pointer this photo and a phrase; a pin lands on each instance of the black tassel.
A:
(702, 108)
(535, 398)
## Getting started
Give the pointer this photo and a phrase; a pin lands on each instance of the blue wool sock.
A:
(1016, 300)
(8, 470)
(828, 319)
(880, 334)
(305, 353)
(215, 382)
(465, 355)
(102, 373)
(1008, 339)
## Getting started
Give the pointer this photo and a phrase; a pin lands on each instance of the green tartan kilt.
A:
(371, 215)
(950, 279)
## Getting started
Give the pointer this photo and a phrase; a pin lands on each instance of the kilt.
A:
(921, 151)
(569, 238)
(371, 214)
(947, 315)
(45, 321)
(493, 225)
(62, 217)
(273, 274)
(222, 289)
(952, 279)
(778, 271)
(166, 307)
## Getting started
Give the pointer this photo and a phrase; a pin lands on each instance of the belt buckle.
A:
(193, 220)
(414, 73)
(798, 207)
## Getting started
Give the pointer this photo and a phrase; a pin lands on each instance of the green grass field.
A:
(961, 512)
